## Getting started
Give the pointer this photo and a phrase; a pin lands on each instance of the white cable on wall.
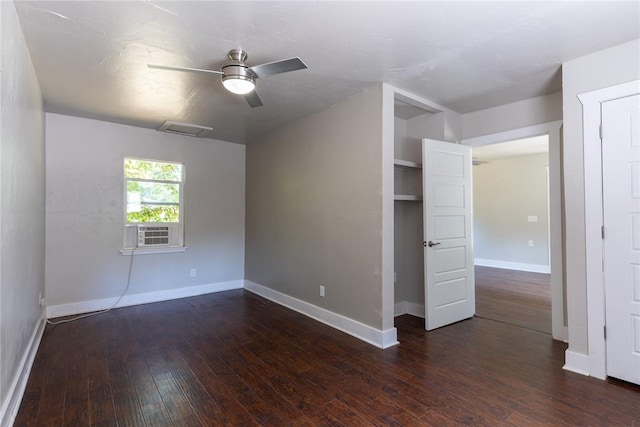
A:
(82, 316)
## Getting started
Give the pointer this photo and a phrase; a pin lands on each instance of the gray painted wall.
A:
(22, 200)
(619, 64)
(314, 209)
(85, 211)
(408, 252)
(532, 111)
(409, 133)
(505, 193)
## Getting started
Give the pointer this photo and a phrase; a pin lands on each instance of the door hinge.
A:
(601, 133)
(602, 232)
(605, 331)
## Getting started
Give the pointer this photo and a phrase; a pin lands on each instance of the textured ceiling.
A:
(91, 57)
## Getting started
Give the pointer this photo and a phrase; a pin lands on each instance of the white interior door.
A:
(448, 227)
(621, 199)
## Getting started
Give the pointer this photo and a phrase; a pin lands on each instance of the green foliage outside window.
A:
(156, 171)
(155, 214)
(150, 198)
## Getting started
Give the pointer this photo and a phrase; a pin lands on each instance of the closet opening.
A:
(411, 124)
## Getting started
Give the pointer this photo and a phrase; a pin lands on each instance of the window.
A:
(154, 203)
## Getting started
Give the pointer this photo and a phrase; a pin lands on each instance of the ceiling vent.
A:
(186, 129)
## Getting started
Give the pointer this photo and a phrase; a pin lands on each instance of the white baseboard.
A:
(366, 333)
(11, 404)
(576, 362)
(406, 307)
(127, 300)
(562, 335)
(533, 268)
(399, 308)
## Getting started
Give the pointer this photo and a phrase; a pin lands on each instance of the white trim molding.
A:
(591, 119)
(151, 251)
(16, 390)
(406, 307)
(135, 299)
(508, 265)
(576, 362)
(511, 135)
(366, 333)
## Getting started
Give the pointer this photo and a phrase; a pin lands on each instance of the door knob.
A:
(432, 244)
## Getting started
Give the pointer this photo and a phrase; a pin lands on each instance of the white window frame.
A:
(130, 231)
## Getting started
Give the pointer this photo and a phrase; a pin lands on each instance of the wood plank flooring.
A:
(516, 297)
(233, 358)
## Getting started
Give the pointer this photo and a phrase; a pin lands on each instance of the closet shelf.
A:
(407, 164)
(407, 197)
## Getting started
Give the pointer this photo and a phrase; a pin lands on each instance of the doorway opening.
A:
(555, 215)
(512, 232)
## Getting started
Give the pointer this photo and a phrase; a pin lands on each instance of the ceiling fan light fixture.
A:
(240, 85)
(240, 79)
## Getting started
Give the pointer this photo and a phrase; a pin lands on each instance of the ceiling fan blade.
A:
(192, 70)
(277, 67)
(253, 99)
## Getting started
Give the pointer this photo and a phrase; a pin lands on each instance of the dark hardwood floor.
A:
(516, 297)
(233, 358)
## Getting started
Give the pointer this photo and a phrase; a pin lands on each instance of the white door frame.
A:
(548, 177)
(553, 130)
(591, 119)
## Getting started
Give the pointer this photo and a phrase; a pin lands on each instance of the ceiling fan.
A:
(239, 78)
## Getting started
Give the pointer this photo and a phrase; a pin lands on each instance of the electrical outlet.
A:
(193, 272)
(530, 243)
(321, 291)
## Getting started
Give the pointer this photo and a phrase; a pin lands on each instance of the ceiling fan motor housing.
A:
(238, 72)
(238, 79)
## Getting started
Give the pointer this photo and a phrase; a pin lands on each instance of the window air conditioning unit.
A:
(153, 236)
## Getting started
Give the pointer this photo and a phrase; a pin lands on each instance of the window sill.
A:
(163, 250)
